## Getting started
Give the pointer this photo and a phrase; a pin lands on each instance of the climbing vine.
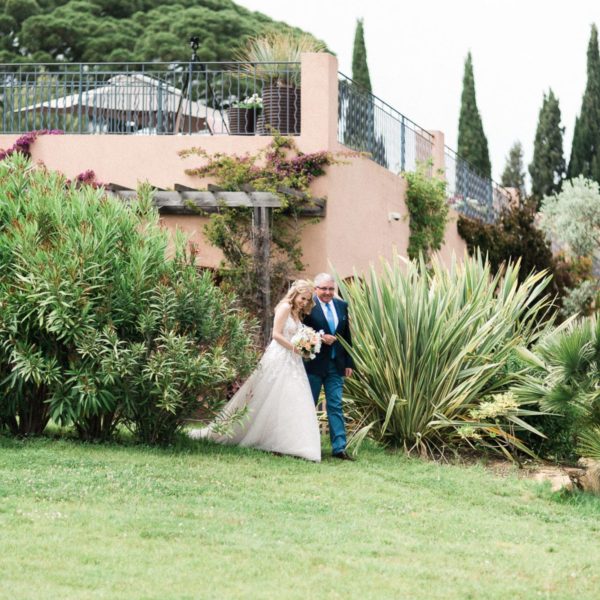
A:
(278, 166)
(427, 210)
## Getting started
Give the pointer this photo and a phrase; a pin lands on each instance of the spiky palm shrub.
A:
(97, 325)
(431, 348)
(566, 380)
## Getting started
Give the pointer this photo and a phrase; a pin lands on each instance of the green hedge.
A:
(98, 326)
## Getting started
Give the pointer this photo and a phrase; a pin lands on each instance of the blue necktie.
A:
(330, 322)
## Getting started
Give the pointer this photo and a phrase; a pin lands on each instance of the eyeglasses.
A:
(326, 289)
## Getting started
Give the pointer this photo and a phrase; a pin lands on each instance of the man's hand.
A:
(348, 372)
(328, 339)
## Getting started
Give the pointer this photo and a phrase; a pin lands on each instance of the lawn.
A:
(200, 521)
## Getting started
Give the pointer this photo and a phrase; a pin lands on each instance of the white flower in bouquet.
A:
(307, 341)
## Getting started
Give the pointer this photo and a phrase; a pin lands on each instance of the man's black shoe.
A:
(343, 456)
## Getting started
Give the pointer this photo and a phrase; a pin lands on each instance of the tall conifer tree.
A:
(472, 143)
(514, 171)
(359, 132)
(585, 152)
(547, 169)
(360, 68)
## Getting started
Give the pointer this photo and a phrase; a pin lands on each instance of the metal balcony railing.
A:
(224, 99)
(368, 124)
(470, 193)
(151, 98)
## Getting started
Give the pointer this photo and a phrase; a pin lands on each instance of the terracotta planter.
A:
(281, 109)
(242, 121)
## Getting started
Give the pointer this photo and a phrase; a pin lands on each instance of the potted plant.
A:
(243, 115)
(274, 59)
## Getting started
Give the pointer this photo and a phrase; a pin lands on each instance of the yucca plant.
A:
(98, 326)
(431, 345)
(566, 380)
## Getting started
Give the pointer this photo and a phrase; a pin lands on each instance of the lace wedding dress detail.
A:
(281, 415)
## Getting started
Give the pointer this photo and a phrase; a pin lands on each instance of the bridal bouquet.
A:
(307, 341)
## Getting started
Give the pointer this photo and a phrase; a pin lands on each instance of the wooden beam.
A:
(292, 192)
(116, 187)
(187, 201)
(314, 207)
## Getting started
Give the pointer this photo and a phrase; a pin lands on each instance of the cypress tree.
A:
(360, 68)
(472, 143)
(547, 169)
(585, 152)
(359, 132)
(514, 171)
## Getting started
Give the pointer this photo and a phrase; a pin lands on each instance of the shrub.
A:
(516, 236)
(582, 299)
(431, 347)
(97, 325)
(572, 217)
(566, 380)
(513, 237)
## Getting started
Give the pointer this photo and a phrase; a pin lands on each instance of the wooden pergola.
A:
(183, 200)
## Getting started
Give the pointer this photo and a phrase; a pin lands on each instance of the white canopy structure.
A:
(134, 103)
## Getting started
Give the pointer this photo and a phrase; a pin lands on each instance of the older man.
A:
(333, 363)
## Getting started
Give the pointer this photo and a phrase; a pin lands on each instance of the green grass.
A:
(201, 521)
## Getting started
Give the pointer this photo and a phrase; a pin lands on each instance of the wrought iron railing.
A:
(368, 124)
(151, 98)
(471, 193)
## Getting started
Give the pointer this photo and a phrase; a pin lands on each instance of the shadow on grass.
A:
(180, 445)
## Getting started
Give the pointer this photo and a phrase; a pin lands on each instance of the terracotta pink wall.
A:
(129, 159)
(357, 229)
(360, 195)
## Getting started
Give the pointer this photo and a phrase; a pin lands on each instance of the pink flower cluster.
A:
(23, 144)
(87, 178)
(311, 165)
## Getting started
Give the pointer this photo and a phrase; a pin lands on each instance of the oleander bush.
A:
(98, 325)
(434, 351)
(565, 381)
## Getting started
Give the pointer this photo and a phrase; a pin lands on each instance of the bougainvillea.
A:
(23, 144)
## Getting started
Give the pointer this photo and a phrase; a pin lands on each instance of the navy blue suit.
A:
(325, 371)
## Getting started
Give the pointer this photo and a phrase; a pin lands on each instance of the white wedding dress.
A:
(281, 415)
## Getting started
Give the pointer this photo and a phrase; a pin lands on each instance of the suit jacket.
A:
(342, 360)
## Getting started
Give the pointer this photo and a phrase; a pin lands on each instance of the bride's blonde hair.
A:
(299, 287)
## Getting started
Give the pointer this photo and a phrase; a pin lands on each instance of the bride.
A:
(281, 415)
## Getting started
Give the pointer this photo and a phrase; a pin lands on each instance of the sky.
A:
(416, 52)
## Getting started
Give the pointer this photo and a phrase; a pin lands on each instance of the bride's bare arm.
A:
(281, 315)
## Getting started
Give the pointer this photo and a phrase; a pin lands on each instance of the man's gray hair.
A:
(322, 278)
